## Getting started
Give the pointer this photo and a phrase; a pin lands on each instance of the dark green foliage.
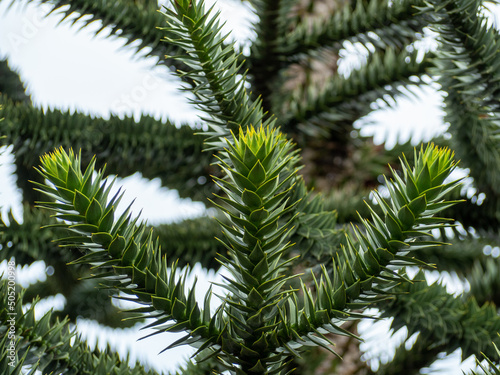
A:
(27, 242)
(259, 316)
(460, 257)
(151, 147)
(470, 62)
(313, 234)
(484, 281)
(383, 23)
(266, 59)
(444, 322)
(207, 367)
(410, 361)
(11, 85)
(297, 272)
(191, 241)
(490, 368)
(45, 345)
(345, 100)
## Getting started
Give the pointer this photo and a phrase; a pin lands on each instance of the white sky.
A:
(70, 69)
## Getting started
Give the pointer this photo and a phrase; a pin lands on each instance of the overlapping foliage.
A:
(51, 346)
(295, 274)
(260, 322)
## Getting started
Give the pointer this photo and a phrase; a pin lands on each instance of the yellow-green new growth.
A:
(259, 165)
(122, 250)
(262, 321)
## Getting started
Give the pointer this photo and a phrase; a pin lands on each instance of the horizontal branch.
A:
(154, 148)
(444, 321)
(386, 74)
(382, 23)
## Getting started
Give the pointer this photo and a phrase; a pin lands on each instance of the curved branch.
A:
(124, 255)
(365, 272)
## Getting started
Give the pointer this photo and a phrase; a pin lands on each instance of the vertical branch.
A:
(265, 59)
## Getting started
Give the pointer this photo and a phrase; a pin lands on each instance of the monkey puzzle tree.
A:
(298, 276)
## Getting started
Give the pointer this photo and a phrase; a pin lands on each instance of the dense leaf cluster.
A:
(277, 124)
